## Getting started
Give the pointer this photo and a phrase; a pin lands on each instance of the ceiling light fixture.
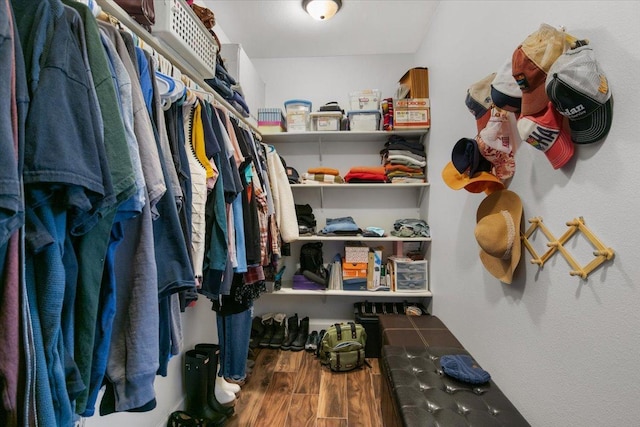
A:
(321, 9)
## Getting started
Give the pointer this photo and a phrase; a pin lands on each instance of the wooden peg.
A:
(580, 273)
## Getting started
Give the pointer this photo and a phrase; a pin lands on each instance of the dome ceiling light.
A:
(321, 9)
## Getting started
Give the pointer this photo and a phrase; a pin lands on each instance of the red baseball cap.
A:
(548, 132)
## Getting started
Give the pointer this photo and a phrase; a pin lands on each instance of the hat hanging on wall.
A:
(578, 89)
(478, 100)
(498, 233)
(480, 182)
(547, 131)
(505, 92)
(494, 143)
(531, 62)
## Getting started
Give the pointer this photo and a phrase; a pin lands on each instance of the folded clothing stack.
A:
(323, 175)
(404, 160)
(366, 174)
(306, 219)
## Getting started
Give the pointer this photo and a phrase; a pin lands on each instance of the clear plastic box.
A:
(367, 99)
(364, 121)
(325, 121)
(298, 115)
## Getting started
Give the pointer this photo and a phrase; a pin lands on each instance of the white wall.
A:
(564, 350)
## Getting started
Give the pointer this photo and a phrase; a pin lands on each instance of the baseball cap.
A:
(466, 157)
(505, 92)
(530, 63)
(495, 145)
(463, 368)
(578, 89)
(478, 100)
(547, 132)
(481, 181)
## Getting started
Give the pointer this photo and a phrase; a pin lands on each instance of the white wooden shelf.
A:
(386, 185)
(284, 291)
(360, 238)
(338, 136)
(420, 187)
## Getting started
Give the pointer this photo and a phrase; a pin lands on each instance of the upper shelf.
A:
(338, 136)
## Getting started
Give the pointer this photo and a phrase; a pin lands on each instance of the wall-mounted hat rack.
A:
(602, 253)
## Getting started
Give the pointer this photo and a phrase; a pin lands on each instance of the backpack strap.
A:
(353, 330)
(338, 331)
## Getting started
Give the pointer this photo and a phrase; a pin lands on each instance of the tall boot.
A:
(303, 334)
(292, 332)
(279, 326)
(196, 378)
(269, 329)
(212, 372)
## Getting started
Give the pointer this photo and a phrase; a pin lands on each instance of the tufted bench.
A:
(415, 392)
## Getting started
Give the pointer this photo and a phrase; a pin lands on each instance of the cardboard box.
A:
(411, 113)
(416, 80)
(356, 254)
(353, 270)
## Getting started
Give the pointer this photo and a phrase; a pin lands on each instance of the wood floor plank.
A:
(333, 400)
(289, 361)
(331, 422)
(292, 389)
(247, 408)
(308, 374)
(364, 411)
(303, 411)
(375, 365)
(277, 398)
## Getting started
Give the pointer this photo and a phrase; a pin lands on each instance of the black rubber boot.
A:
(257, 331)
(196, 379)
(213, 350)
(279, 329)
(301, 338)
(268, 332)
(292, 332)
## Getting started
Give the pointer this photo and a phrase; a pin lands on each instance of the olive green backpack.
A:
(342, 346)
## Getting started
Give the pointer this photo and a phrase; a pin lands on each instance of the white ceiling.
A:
(282, 29)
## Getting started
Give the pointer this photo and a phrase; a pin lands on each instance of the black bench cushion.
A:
(425, 396)
(416, 331)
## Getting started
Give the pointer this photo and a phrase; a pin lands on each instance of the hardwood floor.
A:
(292, 389)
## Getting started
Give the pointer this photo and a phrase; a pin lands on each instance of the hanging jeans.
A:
(234, 331)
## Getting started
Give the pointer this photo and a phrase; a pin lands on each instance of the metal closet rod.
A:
(113, 9)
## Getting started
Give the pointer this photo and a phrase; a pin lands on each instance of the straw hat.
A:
(498, 233)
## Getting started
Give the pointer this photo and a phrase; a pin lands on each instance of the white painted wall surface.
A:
(564, 350)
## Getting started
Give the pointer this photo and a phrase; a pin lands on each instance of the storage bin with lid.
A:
(367, 120)
(326, 121)
(298, 115)
(368, 99)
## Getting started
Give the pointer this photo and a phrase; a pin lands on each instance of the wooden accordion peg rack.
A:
(601, 252)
